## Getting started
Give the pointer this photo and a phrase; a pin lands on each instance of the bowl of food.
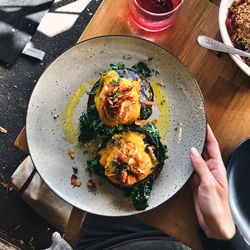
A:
(234, 23)
(110, 124)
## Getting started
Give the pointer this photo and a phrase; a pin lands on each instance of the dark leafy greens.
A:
(117, 66)
(143, 69)
(139, 192)
(91, 126)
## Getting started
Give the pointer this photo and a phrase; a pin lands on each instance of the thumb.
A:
(199, 165)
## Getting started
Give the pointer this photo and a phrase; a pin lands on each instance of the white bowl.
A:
(223, 13)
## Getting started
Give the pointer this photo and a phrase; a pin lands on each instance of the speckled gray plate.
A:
(48, 149)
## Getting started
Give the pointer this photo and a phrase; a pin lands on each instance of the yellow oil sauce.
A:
(92, 81)
(163, 105)
(70, 130)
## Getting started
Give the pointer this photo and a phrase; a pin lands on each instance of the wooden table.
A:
(225, 88)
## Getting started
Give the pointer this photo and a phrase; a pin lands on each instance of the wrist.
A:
(228, 232)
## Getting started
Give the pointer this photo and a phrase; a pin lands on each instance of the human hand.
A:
(210, 191)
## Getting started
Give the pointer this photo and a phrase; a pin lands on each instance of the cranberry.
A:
(233, 18)
(239, 1)
(234, 26)
(230, 26)
(228, 23)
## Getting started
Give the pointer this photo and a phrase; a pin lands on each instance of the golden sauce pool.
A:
(163, 105)
(70, 131)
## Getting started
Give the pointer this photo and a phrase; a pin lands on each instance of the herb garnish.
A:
(114, 82)
(75, 170)
(117, 94)
(117, 66)
(116, 142)
(119, 167)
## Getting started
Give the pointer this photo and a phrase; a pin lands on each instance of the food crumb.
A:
(159, 84)
(71, 153)
(75, 181)
(154, 121)
(92, 81)
(141, 122)
(91, 184)
(75, 170)
(3, 130)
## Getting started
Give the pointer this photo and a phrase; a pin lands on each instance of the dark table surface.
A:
(19, 224)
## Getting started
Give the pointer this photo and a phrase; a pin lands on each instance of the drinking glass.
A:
(154, 15)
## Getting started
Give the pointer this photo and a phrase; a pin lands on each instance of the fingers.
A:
(205, 154)
(199, 165)
(212, 148)
(194, 182)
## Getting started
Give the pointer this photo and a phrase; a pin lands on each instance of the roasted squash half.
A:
(131, 160)
(122, 97)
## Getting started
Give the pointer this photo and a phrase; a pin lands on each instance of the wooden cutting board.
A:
(225, 88)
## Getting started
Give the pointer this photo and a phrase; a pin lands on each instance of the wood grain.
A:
(218, 77)
(177, 218)
(225, 88)
(21, 141)
(73, 226)
(217, 2)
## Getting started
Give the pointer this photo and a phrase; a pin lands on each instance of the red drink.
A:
(156, 6)
(154, 15)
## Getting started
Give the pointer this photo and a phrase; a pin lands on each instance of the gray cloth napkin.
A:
(39, 196)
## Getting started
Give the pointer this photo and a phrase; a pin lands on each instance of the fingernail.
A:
(194, 152)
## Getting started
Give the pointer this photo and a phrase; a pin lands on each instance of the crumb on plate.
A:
(75, 182)
(91, 184)
(71, 153)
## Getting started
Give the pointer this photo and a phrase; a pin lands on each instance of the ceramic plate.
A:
(81, 65)
(238, 173)
(223, 14)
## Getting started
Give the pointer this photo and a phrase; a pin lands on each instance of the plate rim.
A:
(230, 170)
(57, 192)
